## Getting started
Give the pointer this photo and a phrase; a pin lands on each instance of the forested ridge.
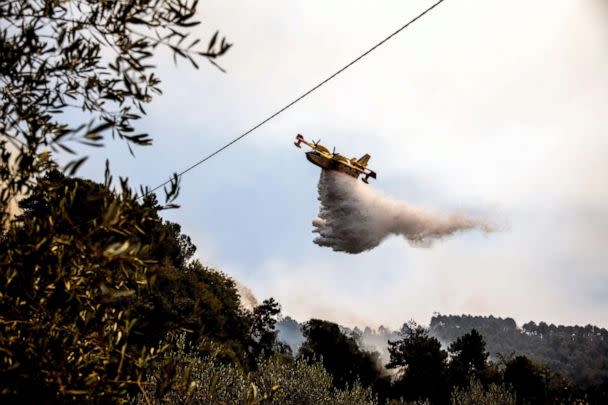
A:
(578, 352)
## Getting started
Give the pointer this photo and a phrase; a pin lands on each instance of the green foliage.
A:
(579, 353)
(263, 331)
(91, 59)
(402, 402)
(475, 394)
(68, 293)
(339, 353)
(529, 381)
(92, 281)
(421, 364)
(468, 358)
(276, 379)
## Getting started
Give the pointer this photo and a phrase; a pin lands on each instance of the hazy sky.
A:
(492, 107)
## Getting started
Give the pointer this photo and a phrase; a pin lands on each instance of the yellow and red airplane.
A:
(320, 156)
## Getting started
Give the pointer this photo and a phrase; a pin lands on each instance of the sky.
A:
(492, 108)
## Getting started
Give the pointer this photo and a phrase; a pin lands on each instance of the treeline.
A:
(578, 353)
(547, 381)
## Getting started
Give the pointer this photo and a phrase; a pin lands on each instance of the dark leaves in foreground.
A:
(86, 311)
(83, 61)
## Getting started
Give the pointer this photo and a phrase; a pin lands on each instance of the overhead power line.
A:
(291, 104)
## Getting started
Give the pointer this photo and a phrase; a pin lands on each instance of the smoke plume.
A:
(248, 299)
(354, 217)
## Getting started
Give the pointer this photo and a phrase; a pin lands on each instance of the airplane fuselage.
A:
(324, 162)
(322, 157)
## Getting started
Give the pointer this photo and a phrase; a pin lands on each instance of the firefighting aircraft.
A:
(320, 156)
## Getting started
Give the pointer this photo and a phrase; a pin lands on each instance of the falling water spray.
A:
(354, 217)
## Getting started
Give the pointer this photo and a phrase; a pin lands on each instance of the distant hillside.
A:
(579, 353)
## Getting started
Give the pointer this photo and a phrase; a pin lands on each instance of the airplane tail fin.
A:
(299, 140)
(363, 160)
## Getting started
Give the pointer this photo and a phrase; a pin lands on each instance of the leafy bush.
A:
(277, 380)
(477, 395)
(68, 291)
(91, 284)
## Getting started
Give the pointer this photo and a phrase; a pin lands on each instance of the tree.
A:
(468, 359)
(579, 353)
(527, 380)
(263, 330)
(421, 364)
(86, 298)
(67, 294)
(339, 354)
(91, 58)
(79, 269)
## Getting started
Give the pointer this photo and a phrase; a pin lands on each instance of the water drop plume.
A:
(355, 217)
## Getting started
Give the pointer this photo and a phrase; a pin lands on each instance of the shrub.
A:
(276, 380)
(475, 394)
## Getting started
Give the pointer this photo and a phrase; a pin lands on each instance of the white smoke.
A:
(248, 299)
(354, 217)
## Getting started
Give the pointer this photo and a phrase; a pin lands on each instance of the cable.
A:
(357, 59)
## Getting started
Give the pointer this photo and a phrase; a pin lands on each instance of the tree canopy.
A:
(85, 301)
(421, 364)
(578, 352)
(340, 354)
(89, 62)
(469, 359)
